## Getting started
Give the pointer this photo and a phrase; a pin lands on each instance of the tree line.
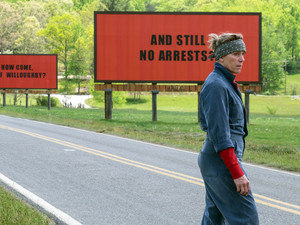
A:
(65, 27)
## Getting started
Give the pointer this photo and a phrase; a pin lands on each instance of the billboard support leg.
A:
(108, 104)
(26, 94)
(247, 103)
(154, 105)
(49, 100)
(4, 98)
(198, 106)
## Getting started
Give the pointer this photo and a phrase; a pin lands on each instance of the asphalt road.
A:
(101, 179)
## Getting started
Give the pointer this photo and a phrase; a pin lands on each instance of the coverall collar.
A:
(229, 76)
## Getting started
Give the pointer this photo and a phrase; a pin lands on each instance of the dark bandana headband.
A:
(228, 47)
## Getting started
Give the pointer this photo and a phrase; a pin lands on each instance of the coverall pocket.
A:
(238, 148)
(208, 164)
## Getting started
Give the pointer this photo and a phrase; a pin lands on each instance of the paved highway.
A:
(103, 179)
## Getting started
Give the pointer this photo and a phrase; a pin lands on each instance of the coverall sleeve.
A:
(215, 108)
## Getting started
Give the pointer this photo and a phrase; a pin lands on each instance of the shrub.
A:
(118, 97)
(43, 101)
(272, 110)
(294, 89)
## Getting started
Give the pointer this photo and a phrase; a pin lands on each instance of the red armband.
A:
(231, 162)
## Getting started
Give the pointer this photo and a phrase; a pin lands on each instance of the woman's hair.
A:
(216, 40)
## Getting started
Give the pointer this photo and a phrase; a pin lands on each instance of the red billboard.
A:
(169, 47)
(28, 71)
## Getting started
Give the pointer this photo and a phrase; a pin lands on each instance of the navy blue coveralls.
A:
(222, 117)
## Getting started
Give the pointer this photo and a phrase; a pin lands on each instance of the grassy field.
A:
(293, 84)
(274, 129)
(14, 211)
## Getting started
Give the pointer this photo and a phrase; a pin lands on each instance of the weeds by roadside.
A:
(16, 211)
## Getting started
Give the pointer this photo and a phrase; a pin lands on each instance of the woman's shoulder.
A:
(216, 81)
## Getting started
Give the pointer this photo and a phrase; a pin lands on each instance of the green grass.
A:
(184, 102)
(274, 141)
(293, 79)
(15, 211)
(280, 105)
(292, 85)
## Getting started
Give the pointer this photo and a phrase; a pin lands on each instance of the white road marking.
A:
(69, 150)
(65, 218)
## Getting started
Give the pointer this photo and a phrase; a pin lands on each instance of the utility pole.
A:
(285, 68)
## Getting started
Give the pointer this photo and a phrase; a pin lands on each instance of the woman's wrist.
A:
(231, 162)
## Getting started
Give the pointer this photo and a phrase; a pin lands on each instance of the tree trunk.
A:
(79, 86)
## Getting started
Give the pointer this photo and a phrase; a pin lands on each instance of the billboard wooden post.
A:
(4, 98)
(154, 105)
(198, 106)
(26, 94)
(49, 100)
(247, 103)
(108, 103)
(198, 88)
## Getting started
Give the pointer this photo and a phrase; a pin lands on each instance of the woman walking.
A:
(229, 199)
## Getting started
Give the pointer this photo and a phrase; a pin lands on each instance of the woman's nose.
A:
(242, 58)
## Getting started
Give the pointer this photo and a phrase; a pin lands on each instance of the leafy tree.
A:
(289, 24)
(117, 5)
(58, 7)
(29, 42)
(87, 12)
(79, 4)
(273, 47)
(16, 1)
(138, 5)
(62, 34)
(87, 20)
(9, 26)
(173, 5)
(79, 57)
(36, 9)
(273, 56)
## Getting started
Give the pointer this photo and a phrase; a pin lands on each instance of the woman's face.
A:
(233, 62)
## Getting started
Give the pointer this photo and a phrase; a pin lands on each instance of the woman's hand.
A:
(242, 185)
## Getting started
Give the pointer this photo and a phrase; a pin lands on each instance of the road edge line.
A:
(60, 215)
